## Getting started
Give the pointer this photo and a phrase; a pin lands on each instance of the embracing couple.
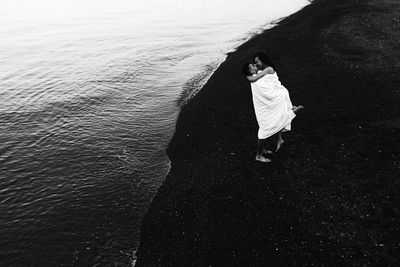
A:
(272, 105)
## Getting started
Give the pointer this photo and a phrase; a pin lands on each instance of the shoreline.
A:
(331, 194)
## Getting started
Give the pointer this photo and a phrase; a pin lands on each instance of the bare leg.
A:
(279, 141)
(260, 149)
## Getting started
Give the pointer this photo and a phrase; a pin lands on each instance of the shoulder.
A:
(269, 70)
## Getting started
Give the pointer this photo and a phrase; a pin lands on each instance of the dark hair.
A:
(265, 59)
(246, 69)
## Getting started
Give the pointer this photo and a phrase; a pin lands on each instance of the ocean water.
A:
(89, 95)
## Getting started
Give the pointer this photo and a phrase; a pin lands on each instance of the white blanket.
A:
(272, 106)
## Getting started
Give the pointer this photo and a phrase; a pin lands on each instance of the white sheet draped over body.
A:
(272, 106)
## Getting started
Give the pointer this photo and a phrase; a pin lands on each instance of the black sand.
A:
(331, 196)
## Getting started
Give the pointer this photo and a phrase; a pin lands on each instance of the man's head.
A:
(258, 62)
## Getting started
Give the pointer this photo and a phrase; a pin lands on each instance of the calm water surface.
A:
(89, 95)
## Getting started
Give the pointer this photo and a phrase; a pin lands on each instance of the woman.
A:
(272, 105)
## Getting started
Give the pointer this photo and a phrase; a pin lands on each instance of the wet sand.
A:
(331, 196)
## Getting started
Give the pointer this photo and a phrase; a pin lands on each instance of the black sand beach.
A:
(331, 196)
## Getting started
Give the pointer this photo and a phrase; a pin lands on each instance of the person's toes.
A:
(297, 108)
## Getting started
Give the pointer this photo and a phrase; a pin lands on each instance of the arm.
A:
(261, 74)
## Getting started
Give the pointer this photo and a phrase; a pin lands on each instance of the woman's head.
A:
(249, 69)
(262, 60)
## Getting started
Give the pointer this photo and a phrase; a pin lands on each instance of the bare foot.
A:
(262, 159)
(297, 108)
(265, 151)
(279, 144)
